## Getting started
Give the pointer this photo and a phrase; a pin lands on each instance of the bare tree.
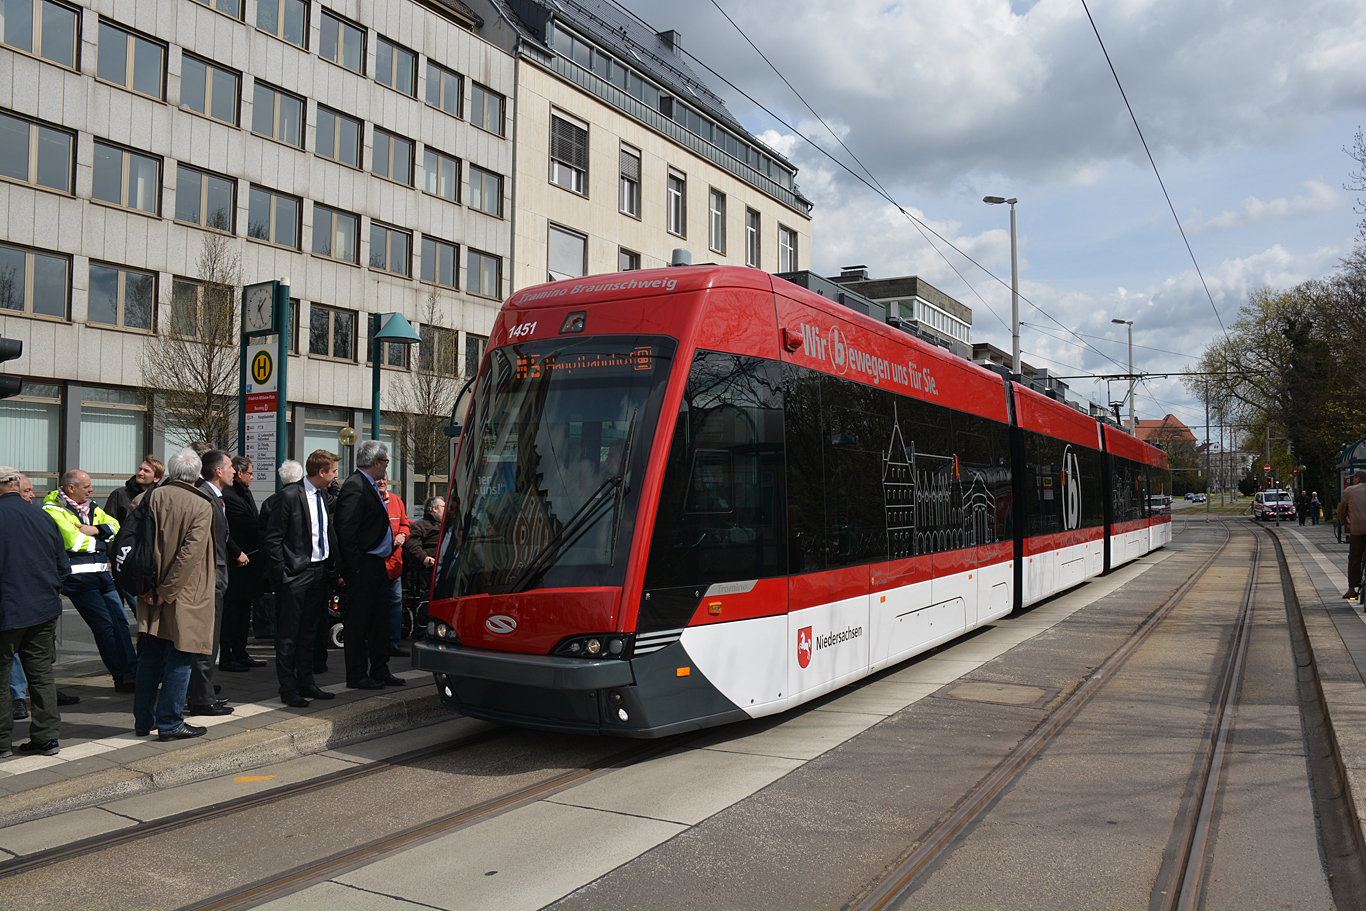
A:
(425, 395)
(1356, 180)
(190, 369)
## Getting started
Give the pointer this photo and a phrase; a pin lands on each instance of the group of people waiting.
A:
(215, 555)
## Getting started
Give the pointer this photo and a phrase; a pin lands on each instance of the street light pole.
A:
(1133, 428)
(1014, 283)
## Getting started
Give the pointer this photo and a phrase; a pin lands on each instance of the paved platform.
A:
(102, 760)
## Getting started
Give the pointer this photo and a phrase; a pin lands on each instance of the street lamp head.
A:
(1123, 322)
(998, 200)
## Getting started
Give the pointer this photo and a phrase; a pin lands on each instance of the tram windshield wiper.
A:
(619, 495)
(569, 532)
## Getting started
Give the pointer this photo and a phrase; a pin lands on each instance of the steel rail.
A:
(150, 828)
(1186, 873)
(938, 842)
(314, 872)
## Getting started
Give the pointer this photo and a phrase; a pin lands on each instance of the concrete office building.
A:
(624, 153)
(362, 150)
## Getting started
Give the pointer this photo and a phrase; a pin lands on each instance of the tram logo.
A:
(804, 646)
(1071, 490)
(500, 624)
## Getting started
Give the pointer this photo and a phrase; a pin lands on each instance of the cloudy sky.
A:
(1246, 106)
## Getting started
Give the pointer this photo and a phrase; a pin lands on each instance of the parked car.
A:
(1268, 505)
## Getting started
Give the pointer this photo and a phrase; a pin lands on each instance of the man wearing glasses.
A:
(366, 539)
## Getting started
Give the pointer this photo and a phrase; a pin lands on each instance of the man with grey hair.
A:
(366, 539)
(33, 565)
(176, 619)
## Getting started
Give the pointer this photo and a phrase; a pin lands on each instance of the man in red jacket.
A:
(398, 520)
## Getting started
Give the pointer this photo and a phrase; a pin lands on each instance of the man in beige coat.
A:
(1352, 512)
(175, 621)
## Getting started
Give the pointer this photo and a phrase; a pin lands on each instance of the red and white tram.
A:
(692, 496)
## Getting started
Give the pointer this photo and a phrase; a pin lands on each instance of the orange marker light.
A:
(884, 599)
(714, 608)
(684, 671)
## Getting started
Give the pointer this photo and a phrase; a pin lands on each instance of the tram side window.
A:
(720, 516)
(1092, 493)
(805, 470)
(1130, 495)
(1057, 500)
(857, 421)
(983, 450)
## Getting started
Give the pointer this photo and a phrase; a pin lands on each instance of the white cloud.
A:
(1318, 197)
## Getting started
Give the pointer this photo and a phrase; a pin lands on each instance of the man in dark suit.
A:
(366, 539)
(200, 698)
(244, 579)
(301, 545)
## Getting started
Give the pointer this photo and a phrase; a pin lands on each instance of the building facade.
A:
(915, 300)
(362, 151)
(624, 154)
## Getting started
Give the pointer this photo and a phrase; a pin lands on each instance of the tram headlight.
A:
(621, 713)
(595, 645)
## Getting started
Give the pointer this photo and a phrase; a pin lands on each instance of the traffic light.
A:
(10, 348)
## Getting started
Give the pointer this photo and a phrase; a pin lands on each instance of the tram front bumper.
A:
(541, 671)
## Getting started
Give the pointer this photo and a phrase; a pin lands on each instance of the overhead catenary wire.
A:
(877, 189)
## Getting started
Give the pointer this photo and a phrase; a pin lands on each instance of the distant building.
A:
(625, 154)
(1162, 433)
(911, 298)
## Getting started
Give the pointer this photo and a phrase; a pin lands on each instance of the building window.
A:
(39, 27)
(486, 109)
(131, 61)
(286, 19)
(568, 155)
(486, 191)
(200, 310)
(390, 249)
(443, 89)
(35, 154)
(121, 297)
(627, 260)
(440, 262)
(274, 217)
(678, 204)
(34, 283)
(395, 67)
(787, 249)
(207, 89)
(334, 233)
(483, 274)
(338, 137)
(752, 247)
(395, 354)
(331, 333)
(205, 199)
(716, 216)
(474, 352)
(630, 183)
(441, 175)
(393, 157)
(125, 178)
(33, 433)
(232, 8)
(439, 351)
(567, 256)
(343, 43)
(278, 114)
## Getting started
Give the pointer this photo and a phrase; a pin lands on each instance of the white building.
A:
(361, 150)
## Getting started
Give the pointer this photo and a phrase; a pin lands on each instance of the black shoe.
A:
(67, 699)
(294, 700)
(127, 685)
(396, 652)
(20, 709)
(40, 748)
(365, 683)
(216, 708)
(391, 680)
(233, 666)
(313, 691)
(249, 661)
(184, 732)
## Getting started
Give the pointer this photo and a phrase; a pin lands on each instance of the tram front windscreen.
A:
(547, 483)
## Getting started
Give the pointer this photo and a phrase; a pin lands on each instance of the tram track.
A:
(906, 875)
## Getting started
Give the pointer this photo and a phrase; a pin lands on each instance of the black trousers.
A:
(236, 620)
(367, 620)
(299, 607)
(1356, 546)
(200, 690)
